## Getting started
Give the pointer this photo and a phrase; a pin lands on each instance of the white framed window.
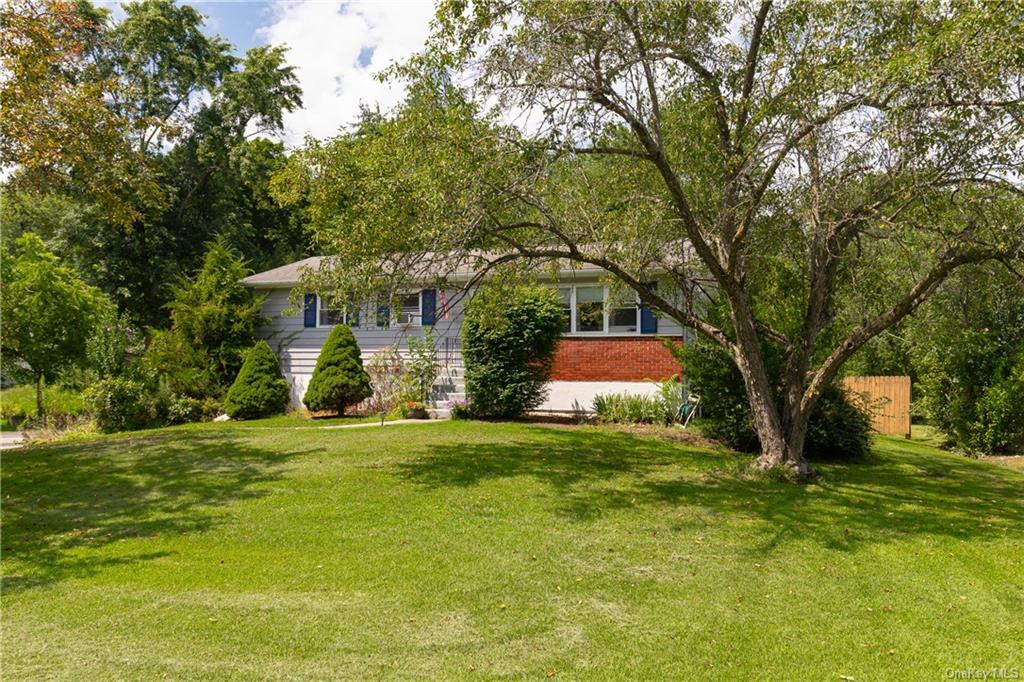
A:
(565, 296)
(592, 309)
(409, 311)
(589, 310)
(623, 315)
(328, 317)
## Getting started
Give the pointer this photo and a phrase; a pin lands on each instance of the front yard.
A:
(499, 550)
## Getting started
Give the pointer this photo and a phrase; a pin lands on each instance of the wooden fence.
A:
(887, 399)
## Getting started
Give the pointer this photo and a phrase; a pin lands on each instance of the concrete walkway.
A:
(360, 425)
(11, 439)
(390, 423)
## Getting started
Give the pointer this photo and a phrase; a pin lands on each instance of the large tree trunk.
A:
(781, 434)
(780, 446)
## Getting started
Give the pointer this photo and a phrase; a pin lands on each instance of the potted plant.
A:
(414, 409)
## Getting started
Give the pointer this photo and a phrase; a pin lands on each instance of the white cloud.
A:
(327, 42)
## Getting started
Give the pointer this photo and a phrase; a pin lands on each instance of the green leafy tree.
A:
(48, 313)
(113, 343)
(694, 146)
(339, 379)
(260, 389)
(137, 142)
(508, 344)
(214, 321)
(58, 130)
(839, 427)
(968, 349)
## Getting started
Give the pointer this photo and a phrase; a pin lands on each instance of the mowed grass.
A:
(468, 550)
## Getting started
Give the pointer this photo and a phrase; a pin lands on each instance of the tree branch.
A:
(905, 306)
(751, 64)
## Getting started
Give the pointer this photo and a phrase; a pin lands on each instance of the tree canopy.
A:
(819, 168)
(133, 143)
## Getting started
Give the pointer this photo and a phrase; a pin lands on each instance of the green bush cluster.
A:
(624, 408)
(120, 404)
(179, 376)
(339, 379)
(260, 390)
(214, 322)
(509, 335)
(838, 429)
(183, 409)
(973, 390)
(128, 404)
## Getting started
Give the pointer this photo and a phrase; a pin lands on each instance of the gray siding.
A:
(298, 346)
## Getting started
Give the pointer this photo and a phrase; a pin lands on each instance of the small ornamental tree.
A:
(339, 379)
(508, 343)
(48, 313)
(260, 390)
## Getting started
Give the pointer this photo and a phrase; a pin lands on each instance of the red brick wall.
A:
(622, 358)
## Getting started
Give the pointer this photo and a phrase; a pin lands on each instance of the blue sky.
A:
(337, 48)
(238, 22)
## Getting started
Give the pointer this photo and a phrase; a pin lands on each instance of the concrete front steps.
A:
(449, 387)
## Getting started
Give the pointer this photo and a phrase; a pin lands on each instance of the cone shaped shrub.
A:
(339, 379)
(259, 389)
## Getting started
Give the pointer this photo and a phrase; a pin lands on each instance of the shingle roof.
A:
(285, 275)
(290, 274)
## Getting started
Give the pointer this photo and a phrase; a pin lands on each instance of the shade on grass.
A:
(467, 549)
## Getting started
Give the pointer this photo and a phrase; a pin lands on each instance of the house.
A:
(608, 346)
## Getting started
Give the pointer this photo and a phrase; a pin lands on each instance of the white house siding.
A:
(578, 396)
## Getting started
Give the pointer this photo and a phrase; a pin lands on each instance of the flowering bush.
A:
(414, 409)
(460, 409)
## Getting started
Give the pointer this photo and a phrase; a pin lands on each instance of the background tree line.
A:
(139, 158)
(132, 144)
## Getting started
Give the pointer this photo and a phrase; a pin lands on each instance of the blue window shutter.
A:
(429, 306)
(309, 311)
(648, 321)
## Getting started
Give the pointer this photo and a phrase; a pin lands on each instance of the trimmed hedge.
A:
(260, 389)
(339, 379)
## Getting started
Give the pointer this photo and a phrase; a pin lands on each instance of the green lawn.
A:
(20, 401)
(467, 550)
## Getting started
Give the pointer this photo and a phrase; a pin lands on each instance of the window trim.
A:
(344, 315)
(606, 329)
(417, 320)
